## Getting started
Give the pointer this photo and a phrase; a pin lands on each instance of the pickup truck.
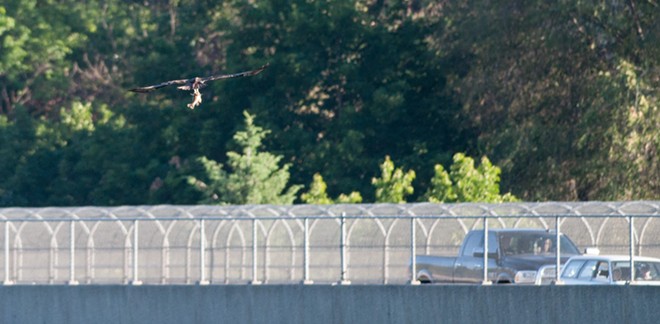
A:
(514, 256)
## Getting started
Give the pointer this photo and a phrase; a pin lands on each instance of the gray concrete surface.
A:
(327, 304)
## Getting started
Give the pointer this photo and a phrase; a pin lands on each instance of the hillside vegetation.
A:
(363, 101)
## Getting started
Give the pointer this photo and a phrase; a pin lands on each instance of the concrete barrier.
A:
(328, 304)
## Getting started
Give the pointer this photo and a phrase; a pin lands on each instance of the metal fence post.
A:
(558, 251)
(72, 254)
(22, 262)
(202, 251)
(7, 280)
(485, 280)
(632, 248)
(255, 280)
(136, 280)
(306, 280)
(342, 250)
(413, 253)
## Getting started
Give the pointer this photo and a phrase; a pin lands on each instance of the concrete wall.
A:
(328, 304)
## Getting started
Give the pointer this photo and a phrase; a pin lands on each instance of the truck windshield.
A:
(534, 243)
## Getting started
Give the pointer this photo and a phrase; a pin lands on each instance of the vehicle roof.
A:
(517, 230)
(613, 257)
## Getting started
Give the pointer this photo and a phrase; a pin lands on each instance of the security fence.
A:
(358, 243)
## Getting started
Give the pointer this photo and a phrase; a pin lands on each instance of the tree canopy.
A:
(561, 97)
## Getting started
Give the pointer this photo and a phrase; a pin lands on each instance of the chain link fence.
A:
(358, 243)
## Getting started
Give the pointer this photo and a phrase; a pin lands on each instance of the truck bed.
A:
(436, 268)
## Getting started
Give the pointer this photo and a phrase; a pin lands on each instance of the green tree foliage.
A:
(352, 198)
(317, 194)
(561, 95)
(36, 39)
(555, 91)
(465, 183)
(255, 177)
(354, 80)
(90, 157)
(631, 138)
(394, 184)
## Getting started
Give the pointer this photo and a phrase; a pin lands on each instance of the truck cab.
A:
(514, 256)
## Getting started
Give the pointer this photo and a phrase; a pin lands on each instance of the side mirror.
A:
(479, 253)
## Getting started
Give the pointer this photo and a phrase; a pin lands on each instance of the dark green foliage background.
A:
(562, 96)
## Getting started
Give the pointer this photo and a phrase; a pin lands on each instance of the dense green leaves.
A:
(549, 89)
(394, 184)
(465, 183)
(317, 194)
(563, 96)
(254, 177)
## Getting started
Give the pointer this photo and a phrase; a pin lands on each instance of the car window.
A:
(620, 271)
(588, 270)
(572, 269)
(647, 270)
(472, 241)
(492, 243)
(520, 243)
(505, 244)
(516, 243)
(602, 270)
(655, 270)
(567, 246)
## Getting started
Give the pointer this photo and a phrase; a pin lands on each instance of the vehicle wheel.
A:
(424, 280)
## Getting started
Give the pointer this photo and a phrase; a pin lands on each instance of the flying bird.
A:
(196, 83)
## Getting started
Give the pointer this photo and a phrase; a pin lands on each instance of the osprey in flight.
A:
(196, 83)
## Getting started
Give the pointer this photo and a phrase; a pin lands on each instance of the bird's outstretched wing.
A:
(158, 86)
(235, 75)
(187, 84)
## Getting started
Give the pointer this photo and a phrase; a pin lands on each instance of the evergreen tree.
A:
(254, 178)
(561, 95)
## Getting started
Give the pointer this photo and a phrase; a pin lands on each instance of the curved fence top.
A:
(633, 208)
(271, 243)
